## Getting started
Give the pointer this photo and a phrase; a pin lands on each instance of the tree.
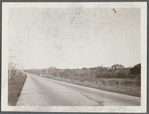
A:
(136, 70)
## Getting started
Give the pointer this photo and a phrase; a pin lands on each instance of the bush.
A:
(136, 70)
(119, 73)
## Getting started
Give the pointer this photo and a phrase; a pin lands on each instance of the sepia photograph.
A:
(74, 57)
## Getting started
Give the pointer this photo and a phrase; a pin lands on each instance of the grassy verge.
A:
(123, 86)
(15, 85)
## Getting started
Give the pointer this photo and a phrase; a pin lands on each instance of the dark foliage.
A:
(136, 70)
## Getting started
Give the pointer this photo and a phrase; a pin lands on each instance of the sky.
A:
(74, 37)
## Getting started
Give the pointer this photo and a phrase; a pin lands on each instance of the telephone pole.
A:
(18, 68)
(10, 50)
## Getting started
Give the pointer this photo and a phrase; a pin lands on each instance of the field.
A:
(114, 80)
(15, 85)
(124, 86)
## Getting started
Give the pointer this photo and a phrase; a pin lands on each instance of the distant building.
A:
(117, 66)
(43, 74)
(51, 68)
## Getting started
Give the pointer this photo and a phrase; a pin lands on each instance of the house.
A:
(117, 66)
(43, 74)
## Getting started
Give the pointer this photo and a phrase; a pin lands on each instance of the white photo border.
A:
(123, 109)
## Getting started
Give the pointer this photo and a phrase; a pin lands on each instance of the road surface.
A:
(41, 91)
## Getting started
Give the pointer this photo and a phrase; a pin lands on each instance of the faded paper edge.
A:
(4, 89)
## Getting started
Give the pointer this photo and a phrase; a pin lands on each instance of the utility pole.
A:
(10, 64)
(18, 68)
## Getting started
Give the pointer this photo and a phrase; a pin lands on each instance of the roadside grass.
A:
(123, 86)
(15, 85)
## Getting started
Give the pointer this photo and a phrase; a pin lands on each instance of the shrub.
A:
(136, 70)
